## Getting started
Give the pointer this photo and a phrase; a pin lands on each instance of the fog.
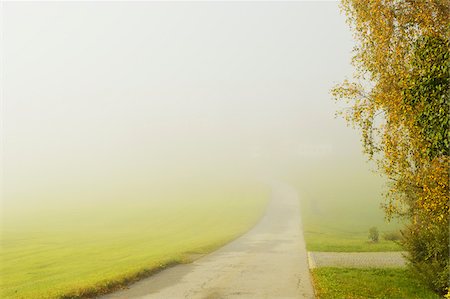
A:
(106, 96)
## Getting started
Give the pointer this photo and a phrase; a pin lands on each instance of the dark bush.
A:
(428, 251)
(392, 236)
(374, 234)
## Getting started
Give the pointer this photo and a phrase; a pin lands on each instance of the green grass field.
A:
(340, 283)
(73, 249)
(340, 203)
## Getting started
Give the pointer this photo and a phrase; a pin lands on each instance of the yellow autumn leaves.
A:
(386, 32)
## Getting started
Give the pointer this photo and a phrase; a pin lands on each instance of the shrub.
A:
(374, 234)
(429, 254)
(392, 236)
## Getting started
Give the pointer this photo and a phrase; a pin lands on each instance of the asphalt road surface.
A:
(269, 261)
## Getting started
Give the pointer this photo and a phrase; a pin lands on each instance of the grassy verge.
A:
(340, 202)
(332, 240)
(336, 283)
(64, 251)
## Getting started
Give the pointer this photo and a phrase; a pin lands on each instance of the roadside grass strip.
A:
(368, 283)
(338, 218)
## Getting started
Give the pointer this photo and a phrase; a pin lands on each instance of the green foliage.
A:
(429, 254)
(427, 91)
(374, 235)
(403, 114)
(428, 86)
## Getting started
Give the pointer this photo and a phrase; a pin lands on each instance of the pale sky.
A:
(140, 89)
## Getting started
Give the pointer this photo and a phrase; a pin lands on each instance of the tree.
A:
(400, 101)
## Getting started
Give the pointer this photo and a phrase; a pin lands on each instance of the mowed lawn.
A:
(335, 283)
(85, 248)
(340, 203)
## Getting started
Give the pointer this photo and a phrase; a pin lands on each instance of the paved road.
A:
(270, 261)
(357, 259)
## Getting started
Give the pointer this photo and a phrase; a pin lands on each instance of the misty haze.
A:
(189, 150)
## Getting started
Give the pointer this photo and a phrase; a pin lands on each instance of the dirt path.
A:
(269, 261)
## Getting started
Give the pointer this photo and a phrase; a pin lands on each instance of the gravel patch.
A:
(356, 259)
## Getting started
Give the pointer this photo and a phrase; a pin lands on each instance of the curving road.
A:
(270, 261)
